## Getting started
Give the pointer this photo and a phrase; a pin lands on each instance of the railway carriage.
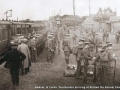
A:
(5, 34)
(11, 30)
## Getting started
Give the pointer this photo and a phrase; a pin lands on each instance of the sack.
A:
(74, 50)
(104, 56)
(8, 65)
(69, 73)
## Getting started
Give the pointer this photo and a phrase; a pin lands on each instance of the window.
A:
(3, 33)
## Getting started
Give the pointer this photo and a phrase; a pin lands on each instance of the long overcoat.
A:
(24, 49)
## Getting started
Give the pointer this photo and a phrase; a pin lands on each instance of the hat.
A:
(81, 39)
(103, 46)
(80, 43)
(86, 46)
(109, 44)
(49, 35)
(14, 44)
(67, 35)
(100, 45)
(23, 40)
(87, 42)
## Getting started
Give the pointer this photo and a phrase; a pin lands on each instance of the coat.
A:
(13, 59)
(24, 49)
(66, 45)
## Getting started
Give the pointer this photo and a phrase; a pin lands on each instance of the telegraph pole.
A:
(74, 12)
(89, 8)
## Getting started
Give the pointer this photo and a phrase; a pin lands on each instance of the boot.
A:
(26, 70)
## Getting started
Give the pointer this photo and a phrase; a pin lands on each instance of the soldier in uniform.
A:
(79, 59)
(86, 37)
(87, 57)
(66, 45)
(50, 48)
(74, 38)
(82, 40)
(108, 66)
(33, 49)
(98, 65)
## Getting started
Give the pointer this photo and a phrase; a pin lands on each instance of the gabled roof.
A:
(89, 21)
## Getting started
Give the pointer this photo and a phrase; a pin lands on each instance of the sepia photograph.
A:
(59, 45)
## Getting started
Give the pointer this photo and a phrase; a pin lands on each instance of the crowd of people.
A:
(21, 54)
(91, 51)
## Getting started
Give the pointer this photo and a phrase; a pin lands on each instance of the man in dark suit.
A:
(13, 60)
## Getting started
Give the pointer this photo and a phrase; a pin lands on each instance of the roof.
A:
(114, 18)
(5, 22)
(89, 21)
(36, 25)
(18, 23)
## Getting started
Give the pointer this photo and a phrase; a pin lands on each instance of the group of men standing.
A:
(91, 51)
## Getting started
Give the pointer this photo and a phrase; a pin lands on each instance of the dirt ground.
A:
(49, 76)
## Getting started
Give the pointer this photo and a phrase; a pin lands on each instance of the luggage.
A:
(70, 71)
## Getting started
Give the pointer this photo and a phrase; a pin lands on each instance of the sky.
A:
(43, 9)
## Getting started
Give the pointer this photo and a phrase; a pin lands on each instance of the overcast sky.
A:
(42, 9)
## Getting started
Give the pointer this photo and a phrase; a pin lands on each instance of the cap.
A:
(14, 44)
(100, 45)
(87, 42)
(82, 39)
(23, 40)
(86, 46)
(67, 35)
(109, 44)
(80, 43)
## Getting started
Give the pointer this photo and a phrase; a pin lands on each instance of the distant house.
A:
(69, 20)
(104, 15)
(90, 24)
(115, 23)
